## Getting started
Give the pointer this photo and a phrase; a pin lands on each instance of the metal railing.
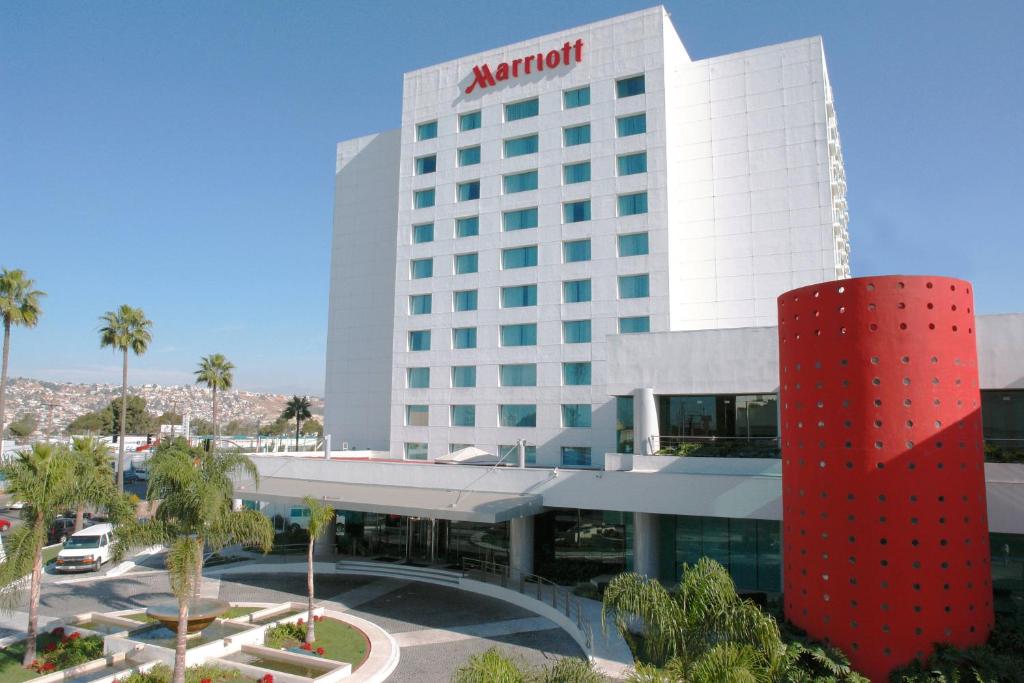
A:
(533, 586)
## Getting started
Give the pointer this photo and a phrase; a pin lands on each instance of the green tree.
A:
(321, 518)
(19, 307)
(91, 481)
(490, 666)
(126, 329)
(138, 420)
(276, 428)
(313, 426)
(297, 409)
(216, 372)
(96, 422)
(169, 417)
(201, 427)
(23, 426)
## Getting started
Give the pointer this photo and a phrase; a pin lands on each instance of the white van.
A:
(87, 549)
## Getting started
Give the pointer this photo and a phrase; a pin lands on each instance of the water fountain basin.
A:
(201, 614)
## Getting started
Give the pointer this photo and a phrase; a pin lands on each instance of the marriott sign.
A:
(484, 77)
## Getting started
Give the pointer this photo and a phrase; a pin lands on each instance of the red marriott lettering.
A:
(570, 53)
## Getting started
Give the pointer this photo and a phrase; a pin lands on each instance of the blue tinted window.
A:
(417, 416)
(423, 233)
(415, 451)
(577, 97)
(518, 257)
(418, 378)
(421, 268)
(576, 331)
(467, 227)
(464, 338)
(510, 453)
(632, 204)
(524, 375)
(575, 374)
(577, 250)
(463, 416)
(631, 125)
(519, 335)
(633, 245)
(520, 146)
(519, 220)
(628, 87)
(574, 212)
(468, 191)
(634, 325)
(576, 415)
(516, 297)
(426, 164)
(419, 340)
(520, 182)
(465, 300)
(630, 164)
(576, 173)
(463, 376)
(469, 121)
(575, 456)
(426, 131)
(423, 199)
(576, 291)
(576, 135)
(522, 110)
(419, 304)
(469, 156)
(634, 286)
(517, 415)
(465, 263)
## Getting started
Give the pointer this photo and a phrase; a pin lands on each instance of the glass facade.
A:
(519, 219)
(423, 233)
(520, 146)
(419, 340)
(517, 415)
(416, 451)
(468, 191)
(469, 121)
(634, 325)
(727, 415)
(576, 415)
(576, 291)
(631, 164)
(421, 268)
(634, 124)
(519, 257)
(576, 332)
(416, 415)
(1002, 415)
(420, 304)
(467, 227)
(632, 204)
(576, 173)
(633, 245)
(463, 416)
(464, 300)
(576, 374)
(750, 549)
(469, 156)
(519, 335)
(463, 376)
(417, 378)
(508, 453)
(627, 87)
(575, 212)
(576, 135)
(519, 182)
(518, 375)
(426, 131)
(466, 263)
(427, 164)
(577, 97)
(634, 286)
(516, 297)
(572, 546)
(464, 338)
(623, 424)
(577, 250)
(423, 199)
(522, 110)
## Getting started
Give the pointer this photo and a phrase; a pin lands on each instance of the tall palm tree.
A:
(126, 329)
(19, 306)
(321, 515)
(215, 371)
(297, 409)
(91, 482)
(41, 477)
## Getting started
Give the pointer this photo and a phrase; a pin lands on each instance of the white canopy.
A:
(470, 455)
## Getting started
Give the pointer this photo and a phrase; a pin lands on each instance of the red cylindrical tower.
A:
(885, 533)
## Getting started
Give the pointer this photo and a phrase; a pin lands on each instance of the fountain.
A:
(201, 614)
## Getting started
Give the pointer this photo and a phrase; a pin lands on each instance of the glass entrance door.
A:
(421, 540)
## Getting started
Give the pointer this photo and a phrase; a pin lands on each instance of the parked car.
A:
(141, 473)
(87, 549)
(62, 527)
(16, 505)
(130, 476)
(5, 524)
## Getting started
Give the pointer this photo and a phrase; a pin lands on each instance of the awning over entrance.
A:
(466, 506)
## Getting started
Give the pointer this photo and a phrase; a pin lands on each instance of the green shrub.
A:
(66, 650)
(731, 448)
(996, 453)
(491, 666)
(569, 670)
(285, 635)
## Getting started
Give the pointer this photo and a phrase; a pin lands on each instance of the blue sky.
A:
(179, 156)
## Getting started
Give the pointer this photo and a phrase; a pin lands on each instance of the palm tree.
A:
(41, 477)
(19, 305)
(126, 329)
(320, 517)
(215, 371)
(91, 482)
(297, 409)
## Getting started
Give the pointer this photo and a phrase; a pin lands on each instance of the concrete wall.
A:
(1000, 342)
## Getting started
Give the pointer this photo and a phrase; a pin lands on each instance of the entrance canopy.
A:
(465, 506)
(470, 455)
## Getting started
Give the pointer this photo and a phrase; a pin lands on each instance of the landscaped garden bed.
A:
(55, 651)
(335, 640)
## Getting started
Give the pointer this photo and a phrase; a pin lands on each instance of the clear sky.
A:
(179, 156)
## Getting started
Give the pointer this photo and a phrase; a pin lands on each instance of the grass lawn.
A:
(340, 642)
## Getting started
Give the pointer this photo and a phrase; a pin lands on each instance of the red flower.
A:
(267, 678)
(75, 636)
(64, 640)
(49, 666)
(306, 646)
(59, 631)
(320, 651)
(301, 622)
(50, 648)
(205, 680)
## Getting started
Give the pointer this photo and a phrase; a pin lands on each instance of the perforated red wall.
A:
(885, 532)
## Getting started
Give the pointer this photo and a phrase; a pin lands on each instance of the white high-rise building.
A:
(545, 196)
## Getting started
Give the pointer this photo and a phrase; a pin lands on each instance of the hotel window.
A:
(632, 204)
(520, 219)
(452, 447)
(463, 416)
(520, 182)
(468, 191)
(518, 257)
(467, 227)
(634, 286)
(419, 304)
(426, 164)
(464, 300)
(421, 268)
(465, 263)
(510, 453)
(576, 291)
(574, 212)
(463, 376)
(627, 87)
(469, 121)
(631, 164)
(576, 250)
(575, 456)
(517, 147)
(576, 135)
(521, 375)
(519, 335)
(417, 378)
(635, 325)
(576, 332)
(517, 297)
(419, 340)
(415, 451)
(575, 374)
(426, 131)
(631, 125)
(633, 245)
(423, 199)
(423, 233)
(517, 415)
(577, 97)
(464, 338)
(576, 173)
(469, 156)
(417, 416)
(522, 110)
(576, 415)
